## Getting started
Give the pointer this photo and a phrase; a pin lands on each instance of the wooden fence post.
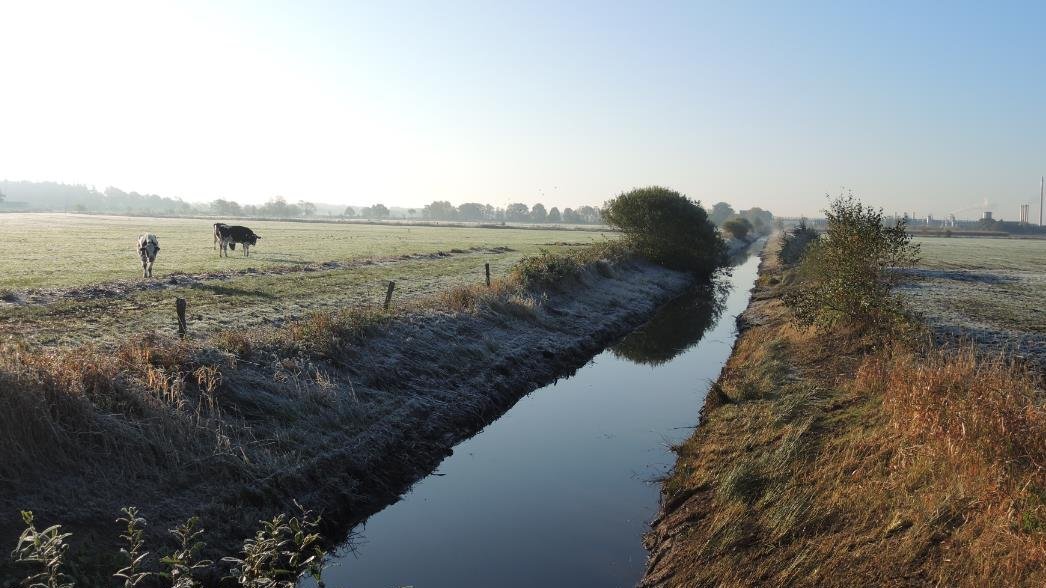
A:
(179, 306)
(486, 267)
(388, 295)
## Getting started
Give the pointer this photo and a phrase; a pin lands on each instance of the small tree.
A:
(846, 275)
(738, 227)
(667, 228)
(553, 215)
(538, 213)
(349, 212)
(795, 242)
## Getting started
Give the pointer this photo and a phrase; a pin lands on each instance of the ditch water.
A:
(560, 490)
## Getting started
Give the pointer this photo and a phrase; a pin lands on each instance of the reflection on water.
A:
(678, 326)
(561, 488)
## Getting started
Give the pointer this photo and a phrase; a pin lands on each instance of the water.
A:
(559, 490)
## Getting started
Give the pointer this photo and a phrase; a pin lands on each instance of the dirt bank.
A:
(831, 459)
(341, 419)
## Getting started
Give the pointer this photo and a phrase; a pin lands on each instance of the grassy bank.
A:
(341, 410)
(832, 458)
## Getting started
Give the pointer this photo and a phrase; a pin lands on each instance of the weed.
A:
(45, 550)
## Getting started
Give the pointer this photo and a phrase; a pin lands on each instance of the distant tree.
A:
(589, 215)
(2, 196)
(276, 207)
(569, 216)
(738, 227)
(667, 228)
(306, 208)
(472, 211)
(410, 212)
(349, 212)
(538, 214)
(721, 211)
(755, 213)
(222, 207)
(439, 210)
(379, 211)
(554, 216)
(517, 212)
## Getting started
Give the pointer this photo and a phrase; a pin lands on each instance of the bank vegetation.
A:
(842, 447)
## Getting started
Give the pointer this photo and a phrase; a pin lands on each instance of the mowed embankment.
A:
(833, 459)
(71, 279)
(340, 410)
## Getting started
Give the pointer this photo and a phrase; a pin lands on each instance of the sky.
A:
(924, 107)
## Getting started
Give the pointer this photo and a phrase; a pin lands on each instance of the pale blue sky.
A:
(924, 107)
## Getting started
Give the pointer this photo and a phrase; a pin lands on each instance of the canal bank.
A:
(560, 489)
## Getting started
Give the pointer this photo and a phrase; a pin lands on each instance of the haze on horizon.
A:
(915, 106)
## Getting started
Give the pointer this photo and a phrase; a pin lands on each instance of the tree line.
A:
(80, 198)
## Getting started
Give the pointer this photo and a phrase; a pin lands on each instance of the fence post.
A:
(388, 295)
(486, 267)
(179, 307)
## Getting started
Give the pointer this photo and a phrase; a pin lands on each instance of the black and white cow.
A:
(148, 247)
(230, 235)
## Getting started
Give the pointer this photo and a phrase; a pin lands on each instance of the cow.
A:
(230, 235)
(218, 233)
(148, 247)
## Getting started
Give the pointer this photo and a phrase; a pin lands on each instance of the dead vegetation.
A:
(824, 458)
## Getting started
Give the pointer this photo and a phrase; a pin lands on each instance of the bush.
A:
(845, 276)
(795, 242)
(667, 228)
(738, 227)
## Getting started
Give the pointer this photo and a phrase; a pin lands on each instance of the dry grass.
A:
(230, 409)
(826, 460)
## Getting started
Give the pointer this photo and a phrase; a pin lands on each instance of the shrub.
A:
(667, 228)
(845, 276)
(795, 242)
(738, 227)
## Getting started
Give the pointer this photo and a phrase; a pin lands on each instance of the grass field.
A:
(984, 253)
(62, 255)
(988, 290)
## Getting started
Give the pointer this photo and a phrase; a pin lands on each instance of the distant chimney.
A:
(987, 215)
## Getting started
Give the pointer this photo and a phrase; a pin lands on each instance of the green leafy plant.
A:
(183, 563)
(134, 529)
(283, 551)
(795, 242)
(846, 276)
(45, 549)
(668, 228)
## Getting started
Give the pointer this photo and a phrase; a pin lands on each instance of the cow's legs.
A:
(246, 250)
(150, 268)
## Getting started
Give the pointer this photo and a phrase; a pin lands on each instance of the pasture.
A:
(983, 253)
(74, 279)
(988, 290)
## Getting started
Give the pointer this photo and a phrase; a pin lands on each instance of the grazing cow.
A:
(230, 235)
(218, 233)
(148, 247)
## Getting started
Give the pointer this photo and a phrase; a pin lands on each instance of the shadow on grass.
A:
(231, 291)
